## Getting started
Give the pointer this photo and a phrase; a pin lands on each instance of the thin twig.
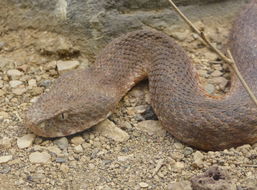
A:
(230, 60)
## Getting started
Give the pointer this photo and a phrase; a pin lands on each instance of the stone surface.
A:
(62, 143)
(151, 127)
(15, 83)
(110, 130)
(4, 159)
(14, 73)
(39, 157)
(26, 141)
(77, 140)
(93, 23)
(63, 66)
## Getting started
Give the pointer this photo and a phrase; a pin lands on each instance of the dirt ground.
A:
(94, 159)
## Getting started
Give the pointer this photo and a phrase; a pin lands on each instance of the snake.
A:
(82, 98)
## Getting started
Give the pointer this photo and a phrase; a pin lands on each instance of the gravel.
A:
(129, 150)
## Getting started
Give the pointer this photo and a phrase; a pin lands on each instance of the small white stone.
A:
(15, 83)
(25, 141)
(77, 140)
(209, 88)
(78, 149)
(14, 73)
(32, 83)
(1, 84)
(4, 159)
(108, 129)
(39, 157)
(143, 184)
(151, 127)
(63, 66)
(19, 91)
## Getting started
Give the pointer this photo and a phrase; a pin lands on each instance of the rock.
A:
(219, 80)
(15, 83)
(25, 141)
(2, 93)
(108, 129)
(179, 165)
(54, 149)
(4, 114)
(62, 143)
(125, 158)
(211, 55)
(19, 91)
(32, 83)
(77, 140)
(14, 74)
(143, 185)
(183, 185)
(78, 149)
(63, 66)
(209, 88)
(188, 151)
(151, 127)
(5, 143)
(213, 179)
(203, 73)
(1, 84)
(39, 157)
(198, 159)
(177, 155)
(4, 159)
(181, 36)
(216, 73)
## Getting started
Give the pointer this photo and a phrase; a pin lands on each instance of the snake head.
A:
(74, 103)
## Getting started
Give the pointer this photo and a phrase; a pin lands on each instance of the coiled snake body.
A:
(80, 99)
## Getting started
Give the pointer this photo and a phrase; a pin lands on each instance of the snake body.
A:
(82, 98)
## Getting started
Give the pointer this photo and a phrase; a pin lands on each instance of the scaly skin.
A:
(82, 98)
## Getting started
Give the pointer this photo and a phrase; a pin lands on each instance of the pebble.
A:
(15, 83)
(63, 66)
(108, 129)
(209, 88)
(183, 185)
(62, 143)
(4, 159)
(25, 141)
(19, 91)
(218, 80)
(14, 74)
(77, 140)
(32, 82)
(2, 93)
(181, 36)
(188, 151)
(39, 157)
(1, 84)
(78, 149)
(4, 114)
(61, 160)
(143, 185)
(216, 73)
(54, 149)
(125, 158)
(198, 159)
(5, 143)
(151, 127)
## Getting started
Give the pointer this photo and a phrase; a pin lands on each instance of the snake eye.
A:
(63, 116)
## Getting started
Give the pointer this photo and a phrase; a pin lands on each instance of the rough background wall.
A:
(91, 24)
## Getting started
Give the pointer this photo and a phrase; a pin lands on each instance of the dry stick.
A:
(229, 60)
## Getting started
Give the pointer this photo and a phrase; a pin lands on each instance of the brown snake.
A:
(82, 98)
